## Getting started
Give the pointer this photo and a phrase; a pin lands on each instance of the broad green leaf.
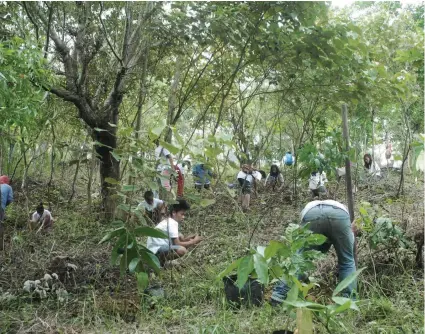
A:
(292, 295)
(146, 231)
(206, 202)
(151, 260)
(142, 281)
(272, 249)
(245, 268)
(302, 303)
(341, 308)
(173, 149)
(110, 180)
(133, 264)
(347, 281)
(158, 129)
(261, 268)
(119, 244)
(230, 268)
(129, 188)
(112, 234)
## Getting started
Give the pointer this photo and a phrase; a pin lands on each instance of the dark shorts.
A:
(168, 248)
(246, 187)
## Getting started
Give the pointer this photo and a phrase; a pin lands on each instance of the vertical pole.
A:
(348, 182)
(347, 162)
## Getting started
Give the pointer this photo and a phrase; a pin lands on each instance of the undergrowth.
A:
(101, 301)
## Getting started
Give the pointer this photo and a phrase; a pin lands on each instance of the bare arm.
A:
(191, 242)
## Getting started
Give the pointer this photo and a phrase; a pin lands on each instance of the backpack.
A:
(288, 159)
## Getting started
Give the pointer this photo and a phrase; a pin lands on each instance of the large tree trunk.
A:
(109, 168)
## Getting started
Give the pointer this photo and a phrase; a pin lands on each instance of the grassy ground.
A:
(100, 301)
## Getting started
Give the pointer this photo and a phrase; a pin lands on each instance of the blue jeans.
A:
(334, 223)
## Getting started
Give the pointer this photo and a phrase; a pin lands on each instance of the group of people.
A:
(41, 219)
(169, 171)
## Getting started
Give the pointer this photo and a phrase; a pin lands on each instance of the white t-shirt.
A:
(46, 217)
(327, 202)
(316, 180)
(243, 175)
(374, 169)
(170, 227)
(148, 207)
(160, 154)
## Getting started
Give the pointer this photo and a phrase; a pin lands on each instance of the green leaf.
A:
(130, 188)
(206, 202)
(347, 281)
(99, 130)
(110, 180)
(133, 264)
(302, 303)
(120, 244)
(229, 269)
(142, 281)
(158, 129)
(112, 234)
(272, 249)
(173, 149)
(146, 231)
(261, 268)
(151, 260)
(292, 295)
(245, 268)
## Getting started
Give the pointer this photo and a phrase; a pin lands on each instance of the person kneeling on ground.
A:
(150, 204)
(175, 245)
(41, 218)
(331, 219)
(274, 178)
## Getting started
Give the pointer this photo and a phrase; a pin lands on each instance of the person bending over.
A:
(331, 219)
(176, 244)
(274, 179)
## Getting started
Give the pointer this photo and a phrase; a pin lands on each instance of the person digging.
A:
(176, 244)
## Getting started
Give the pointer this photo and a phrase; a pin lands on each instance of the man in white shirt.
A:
(331, 219)
(41, 218)
(150, 204)
(176, 245)
(316, 183)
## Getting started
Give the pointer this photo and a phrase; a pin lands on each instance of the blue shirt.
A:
(6, 195)
(201, 175)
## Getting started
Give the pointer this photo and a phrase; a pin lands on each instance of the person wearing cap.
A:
(6, 198)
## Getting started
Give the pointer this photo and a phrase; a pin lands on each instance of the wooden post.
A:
(349, 185)
(348, 182)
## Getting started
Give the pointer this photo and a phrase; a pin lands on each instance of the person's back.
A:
(6, 195)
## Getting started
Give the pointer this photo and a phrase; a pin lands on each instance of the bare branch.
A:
(106, 35)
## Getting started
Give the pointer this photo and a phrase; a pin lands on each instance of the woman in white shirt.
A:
(371, 166)
(246, 182)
